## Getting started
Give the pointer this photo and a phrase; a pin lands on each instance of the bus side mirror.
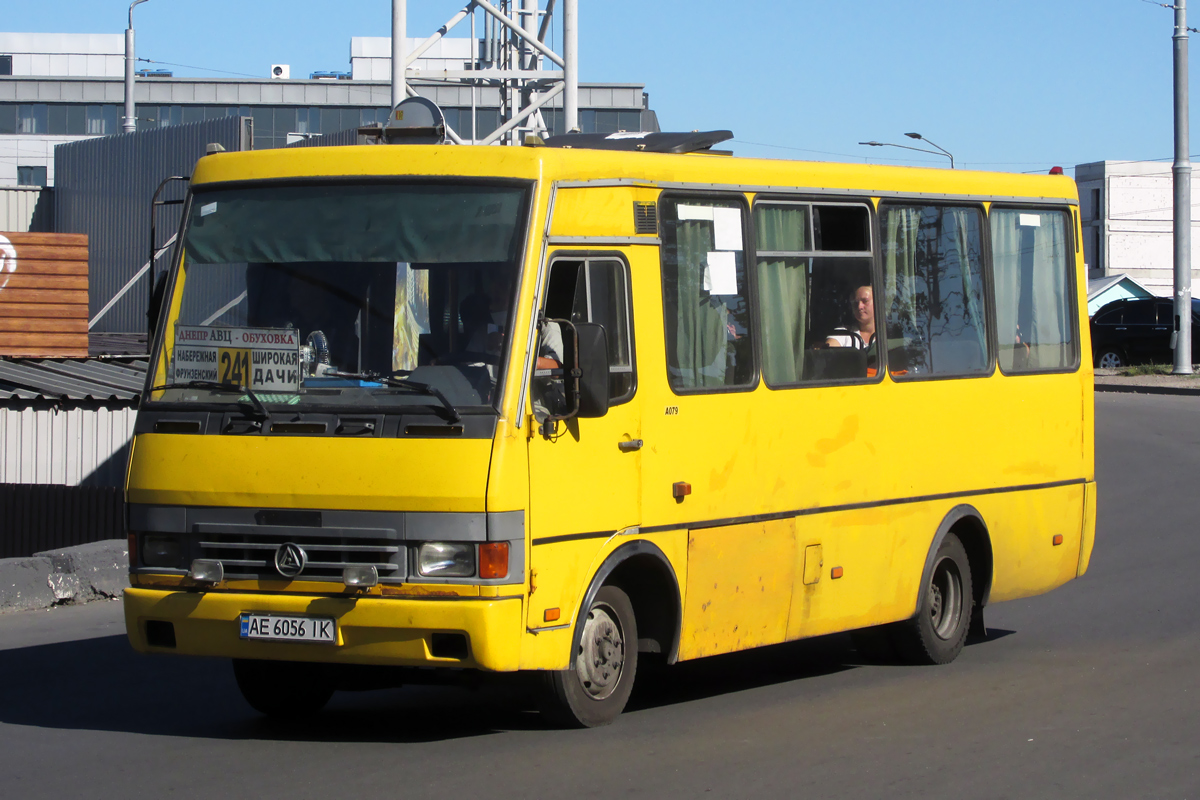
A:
(592, 348)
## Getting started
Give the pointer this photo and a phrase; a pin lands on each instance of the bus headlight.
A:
(446, 560)
(159, 550)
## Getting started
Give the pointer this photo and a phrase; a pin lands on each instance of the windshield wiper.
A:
(213, 386)
(404, 383)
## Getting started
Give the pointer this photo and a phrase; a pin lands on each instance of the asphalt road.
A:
(1089, 691)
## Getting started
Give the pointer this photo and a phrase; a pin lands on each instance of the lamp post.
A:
(945, 152)
(938, 152)
(129, 123)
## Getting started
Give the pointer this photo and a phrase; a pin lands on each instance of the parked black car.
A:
(1138, 331)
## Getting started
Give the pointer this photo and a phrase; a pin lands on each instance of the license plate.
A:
(272, 627)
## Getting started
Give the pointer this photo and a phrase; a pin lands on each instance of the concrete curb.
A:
(73, 575)
(1144, 388)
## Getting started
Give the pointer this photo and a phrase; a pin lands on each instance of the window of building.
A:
(1034, 290)
(6, 65)
(934, 290)
(32, 119)
(8, 118)
(706, 295)
(31, 176)
(103, 120)
(815, 292)
(597, 290)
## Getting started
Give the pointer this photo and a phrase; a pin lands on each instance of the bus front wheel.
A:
(283, 689)
(937, 634)
(596, 687)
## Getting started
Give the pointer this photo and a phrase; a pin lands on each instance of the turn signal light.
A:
(1058, 539)
(835, 573)
(493, 560)
(133, 551)
(551, 615)
(681, 489)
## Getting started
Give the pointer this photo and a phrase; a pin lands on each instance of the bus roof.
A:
(695, 170)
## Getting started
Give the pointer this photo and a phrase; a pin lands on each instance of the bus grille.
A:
(253, 555)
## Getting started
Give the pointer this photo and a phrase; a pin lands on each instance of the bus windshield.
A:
(345, 295)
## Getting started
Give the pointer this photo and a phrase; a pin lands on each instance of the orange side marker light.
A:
(1058, 539)
(835, 573)
(551, 615)
(493, 560)
(681, 489)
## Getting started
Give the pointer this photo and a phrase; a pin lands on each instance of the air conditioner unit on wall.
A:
(281, 71)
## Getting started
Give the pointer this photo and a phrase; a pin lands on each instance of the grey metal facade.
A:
(104, 187)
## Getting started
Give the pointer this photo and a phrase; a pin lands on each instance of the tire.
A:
(596, 687)
(1111, 358)
(283, 689)
(937, 634)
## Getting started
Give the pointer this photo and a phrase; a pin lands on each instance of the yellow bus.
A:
(558, 408)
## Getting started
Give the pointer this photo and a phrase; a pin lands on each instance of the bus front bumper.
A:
(396, 632)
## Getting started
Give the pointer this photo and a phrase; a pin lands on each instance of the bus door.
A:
(585, 477)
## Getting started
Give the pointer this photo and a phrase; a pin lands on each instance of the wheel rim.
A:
(946, 599)
(1110, 360)
(601, 653)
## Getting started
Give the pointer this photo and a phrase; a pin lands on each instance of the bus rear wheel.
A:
(596, 687)
(937, 634)
(283, 689)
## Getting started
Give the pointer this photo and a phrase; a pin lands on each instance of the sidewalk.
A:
(1111, 380)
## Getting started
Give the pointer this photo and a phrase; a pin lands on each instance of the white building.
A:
(1126, 208)
(57, 88)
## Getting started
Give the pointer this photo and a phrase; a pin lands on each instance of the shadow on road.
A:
(101, 684)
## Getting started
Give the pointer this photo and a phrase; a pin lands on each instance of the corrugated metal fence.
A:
(65, 447)
(103, 187)
(37, 518)
(26, 209)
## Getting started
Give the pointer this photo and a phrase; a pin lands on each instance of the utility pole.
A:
(129, 123)
(1182, 173)
(399, 34)
(571, 67)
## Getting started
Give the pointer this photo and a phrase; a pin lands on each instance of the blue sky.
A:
(1011, 85)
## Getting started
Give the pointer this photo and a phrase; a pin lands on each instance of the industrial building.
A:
(59, 88)
(1126, 208)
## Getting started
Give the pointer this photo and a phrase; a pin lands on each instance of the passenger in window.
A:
(859, 334)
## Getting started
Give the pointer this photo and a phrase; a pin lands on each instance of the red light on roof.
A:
(1056, 170)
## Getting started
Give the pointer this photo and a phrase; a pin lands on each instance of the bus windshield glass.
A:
(362, 296)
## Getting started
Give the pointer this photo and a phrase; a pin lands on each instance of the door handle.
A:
(631, 446)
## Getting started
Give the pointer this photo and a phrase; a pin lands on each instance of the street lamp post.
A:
(939, 152)
(129, 123)
(945, 152)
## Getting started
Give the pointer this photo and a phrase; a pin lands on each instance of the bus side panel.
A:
(1022, 526)
(566, 571)
(880, 553)
(738, 587)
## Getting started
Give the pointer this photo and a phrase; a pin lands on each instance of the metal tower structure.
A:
(511, 56)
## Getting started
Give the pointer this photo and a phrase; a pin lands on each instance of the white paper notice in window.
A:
(208, 208)
(720, 276)
(695, 212)
(727, 227)
(1030, 221)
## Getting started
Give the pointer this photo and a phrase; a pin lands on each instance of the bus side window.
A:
(814, 271)
(597, 290)
(934, 290)
(1035, 320)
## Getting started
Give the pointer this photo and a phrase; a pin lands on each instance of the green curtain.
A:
(901, 226)
(969, 242)
(701, 351)
(783, 291)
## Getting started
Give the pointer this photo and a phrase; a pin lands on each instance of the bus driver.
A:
(860, 333)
